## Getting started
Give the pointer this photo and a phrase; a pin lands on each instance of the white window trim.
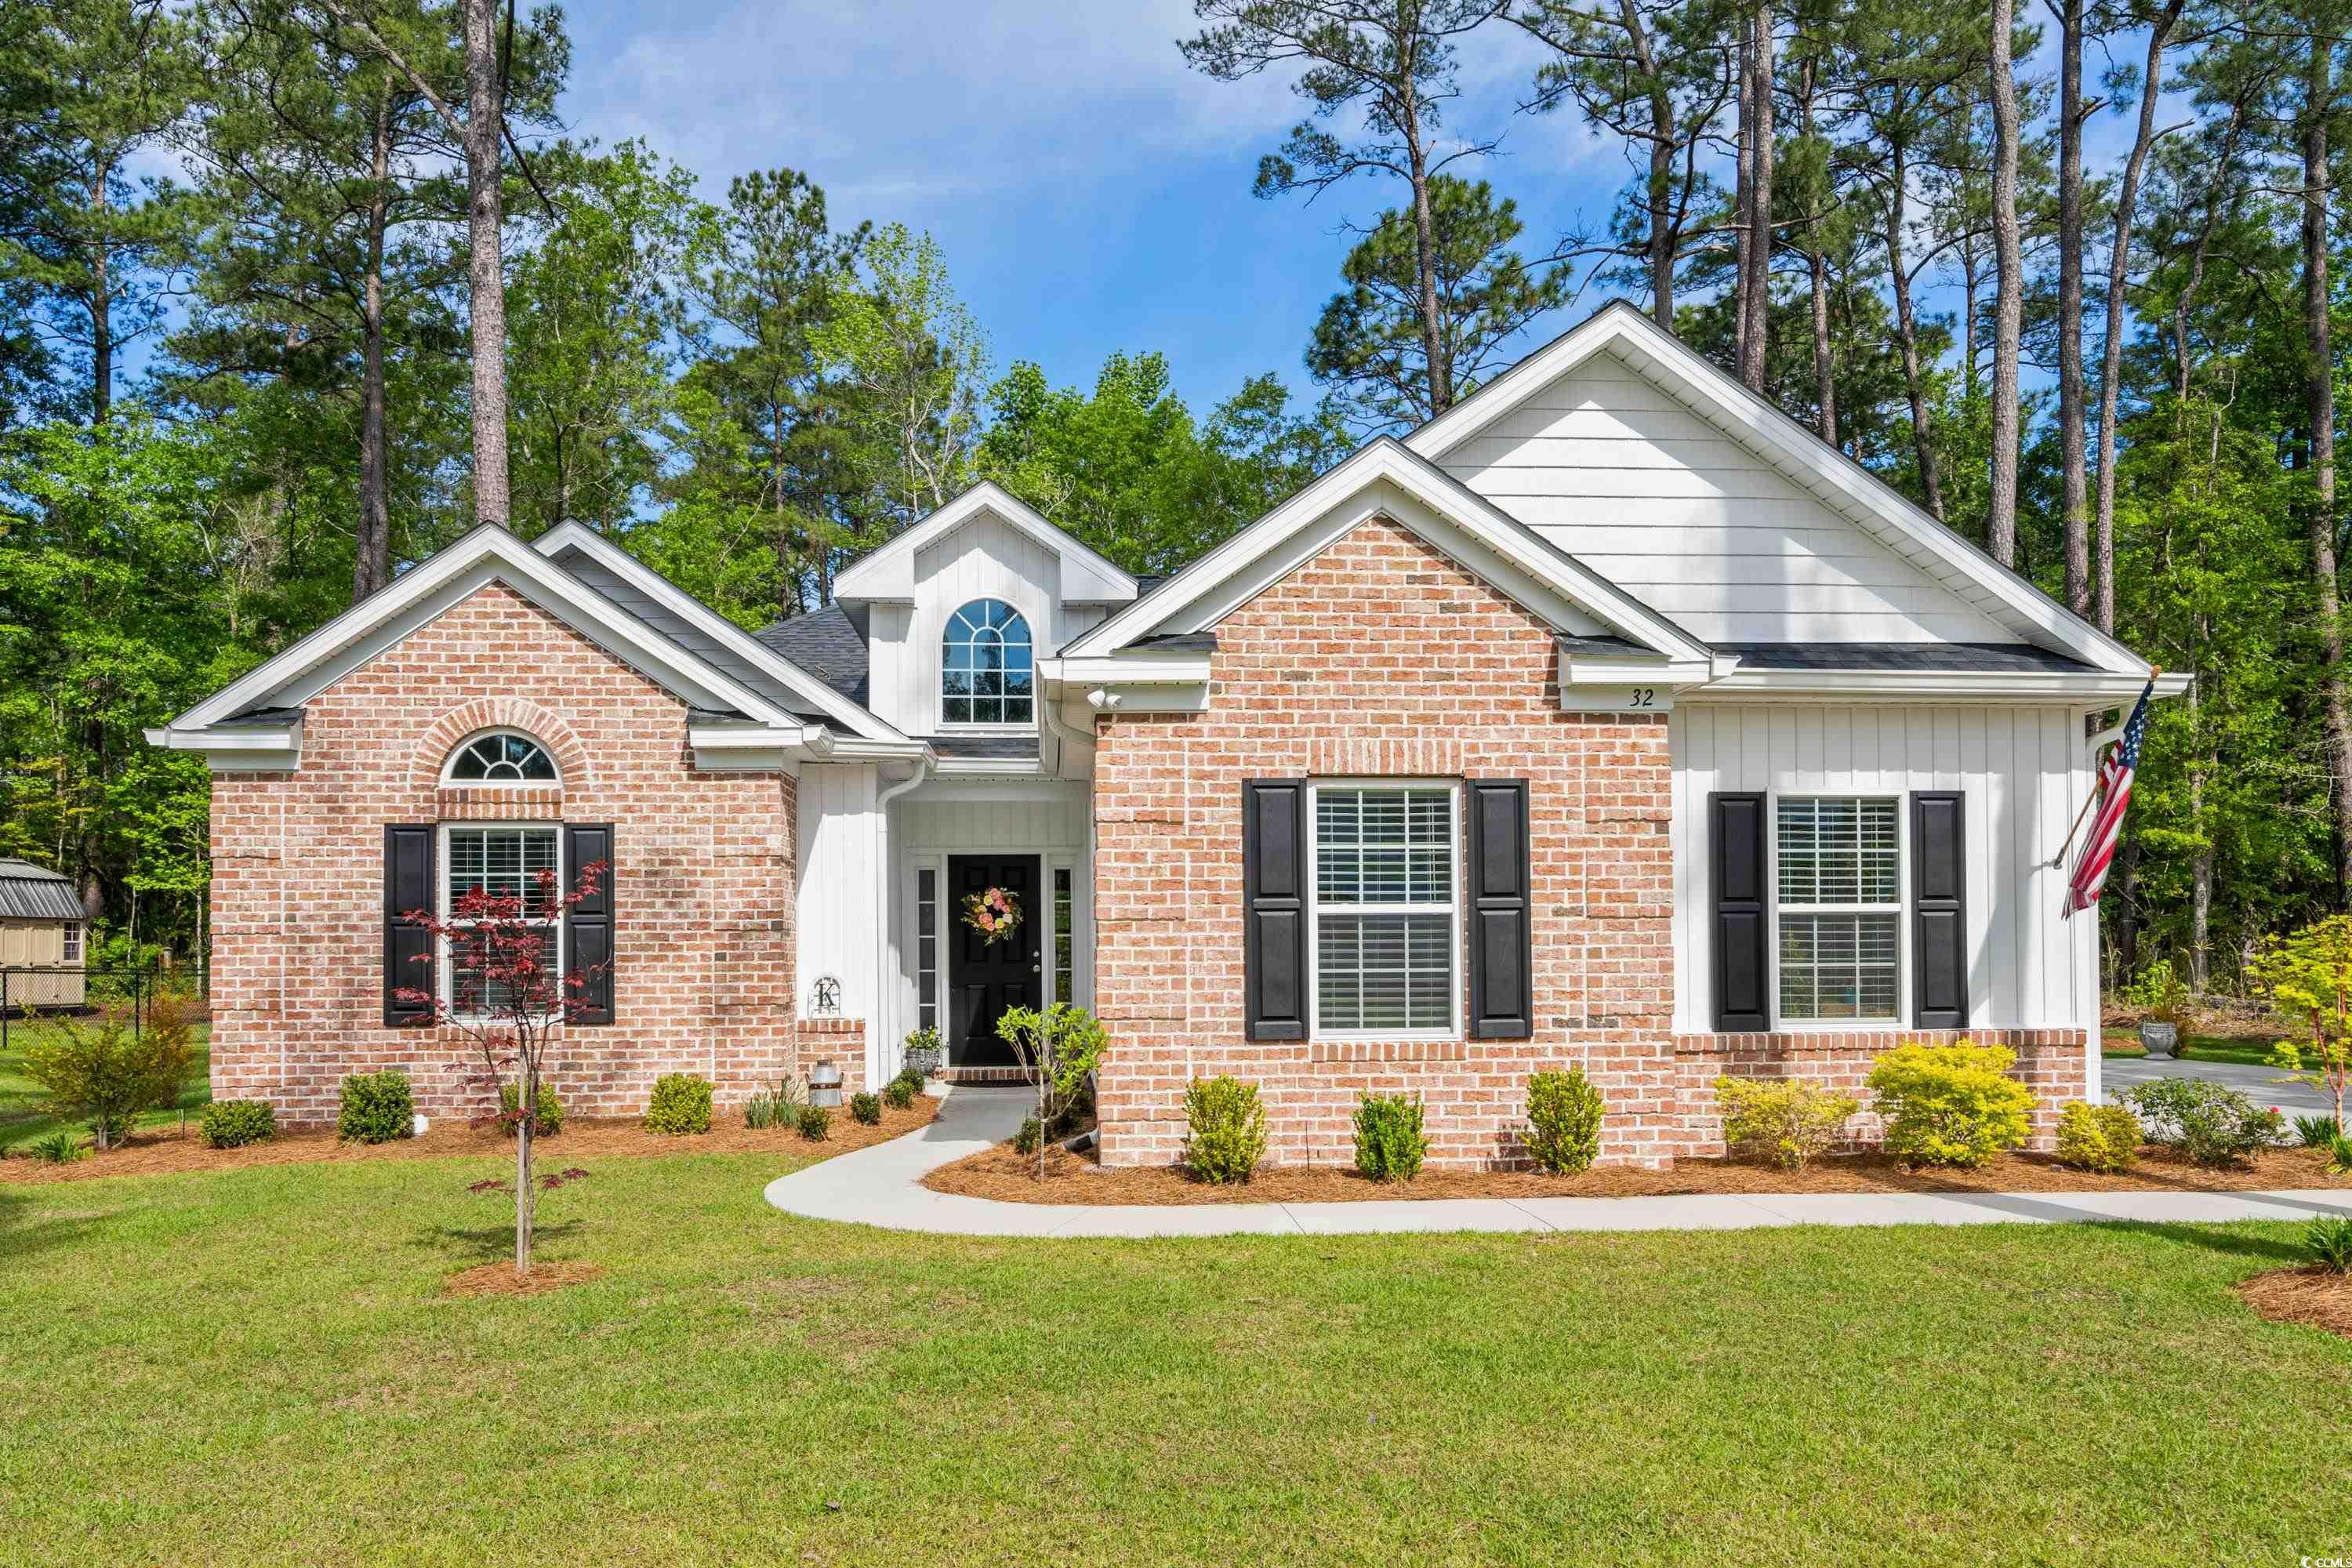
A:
(1457, 944)
(1900, 909)
(940, 721)
(69, 944)
(449, 762)
(446, 965)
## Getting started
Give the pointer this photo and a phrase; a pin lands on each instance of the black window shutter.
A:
(588, 927)
(1273, 905)
(1502, 939)
(407, 946)
(1735, 872)
(1939, 910)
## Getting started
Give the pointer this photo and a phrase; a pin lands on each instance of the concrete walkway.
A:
(2119, 1073)
(882, 1185)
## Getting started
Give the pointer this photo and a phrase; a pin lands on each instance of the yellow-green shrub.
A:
(1788, 1120)
(2098, 1138)
(1225, 1128)
(1950, 1105)
(681, 1104)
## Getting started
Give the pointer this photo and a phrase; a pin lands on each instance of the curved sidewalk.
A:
(882, 1185)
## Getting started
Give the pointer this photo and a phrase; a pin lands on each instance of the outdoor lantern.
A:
(825, 1083)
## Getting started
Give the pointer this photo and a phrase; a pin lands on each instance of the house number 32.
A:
(1644, 697)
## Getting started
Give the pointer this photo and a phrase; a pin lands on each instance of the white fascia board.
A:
(1159, 697)
(1843, 484)
(757, 748)
(1089, 576)
(236, 748)
(988, 767)
(1880, 685)
(670, 596)
(1189, 668)
(488, 554)
(1586, 670)
(1386, 477)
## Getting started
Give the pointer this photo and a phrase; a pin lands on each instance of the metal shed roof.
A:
(30, 892)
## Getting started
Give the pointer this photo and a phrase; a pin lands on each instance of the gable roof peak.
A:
(888, 572)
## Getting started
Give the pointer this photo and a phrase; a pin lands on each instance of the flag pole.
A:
(2155, 674)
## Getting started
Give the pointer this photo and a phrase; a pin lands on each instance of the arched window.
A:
(501, 757)
(985, 673)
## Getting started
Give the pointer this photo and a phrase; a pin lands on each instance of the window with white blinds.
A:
(1385, 914)
(1840, 886)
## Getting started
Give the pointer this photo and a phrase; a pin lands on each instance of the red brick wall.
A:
(703, 875)
(1382, 659)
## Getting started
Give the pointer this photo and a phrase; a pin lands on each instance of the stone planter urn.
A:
(2158, 1038)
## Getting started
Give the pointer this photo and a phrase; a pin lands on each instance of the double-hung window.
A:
(1839, 907)
(504, 861)
(1385, 908)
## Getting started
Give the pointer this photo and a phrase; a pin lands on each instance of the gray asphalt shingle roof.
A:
(827, 643)
(1923, 658)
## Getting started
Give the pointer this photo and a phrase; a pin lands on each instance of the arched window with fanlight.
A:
(501, 757)
(987, 673)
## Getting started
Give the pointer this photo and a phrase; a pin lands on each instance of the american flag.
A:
(2115, 772)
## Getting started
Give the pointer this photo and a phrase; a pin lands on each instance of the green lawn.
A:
(22, 1119)
(256, 1366)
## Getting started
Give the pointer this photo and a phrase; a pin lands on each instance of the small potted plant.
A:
(2163, 998)
(922, 1051)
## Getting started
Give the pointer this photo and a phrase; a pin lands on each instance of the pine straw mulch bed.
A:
(498, 1278)
(163, 1150)
(2315, 1297)
(999, 1172)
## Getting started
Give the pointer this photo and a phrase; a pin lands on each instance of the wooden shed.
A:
(41, 938)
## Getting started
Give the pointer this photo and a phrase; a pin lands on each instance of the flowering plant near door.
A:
(993, 913)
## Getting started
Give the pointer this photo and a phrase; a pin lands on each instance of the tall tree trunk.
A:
(2126, 879)
(1824, 367)
(2009, 310)
(1906, 329)
(1756, 216)
(102, 303)
(485, 273)
(372, 558)
(2319, 95)
(2111, 356)
(1425, 242)
(2075, 503)
(526, 1199)
(1659, 191)
(1971, 285)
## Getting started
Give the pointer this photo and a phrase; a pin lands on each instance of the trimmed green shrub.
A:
(1032, 1134)
(59, 1147)
(377, 1107)
(1790, 1121)
(2103, 1138)
(912, 1078)
(2328, 1240)
(1389, 1142)
(898, 1094)
(2209, 1123)
(1950, 1105)
(815, 1122)
(681, 1104)
(233, 1123)
(1564, 1112)
(865, 1109)
(1226, 1130)
(550, 1109)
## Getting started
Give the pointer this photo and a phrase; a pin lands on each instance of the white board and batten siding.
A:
(837, 915)
(984, 559)
(2023, 771)
(1633, 482)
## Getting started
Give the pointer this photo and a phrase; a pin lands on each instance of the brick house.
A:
(1610, 719)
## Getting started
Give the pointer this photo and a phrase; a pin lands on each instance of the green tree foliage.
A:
(1370, 342)
(1128, 470)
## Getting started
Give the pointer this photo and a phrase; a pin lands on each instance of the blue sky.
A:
(1091, 192)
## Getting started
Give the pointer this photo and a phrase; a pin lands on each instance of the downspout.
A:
(883, 981)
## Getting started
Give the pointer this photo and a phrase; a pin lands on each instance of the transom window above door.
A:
(987, 674)
(503, 757)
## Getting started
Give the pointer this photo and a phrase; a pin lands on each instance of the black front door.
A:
(990, 977)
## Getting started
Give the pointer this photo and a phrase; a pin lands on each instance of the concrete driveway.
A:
(2118, 1073)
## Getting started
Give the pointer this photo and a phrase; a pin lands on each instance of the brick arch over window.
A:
(471, 719)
